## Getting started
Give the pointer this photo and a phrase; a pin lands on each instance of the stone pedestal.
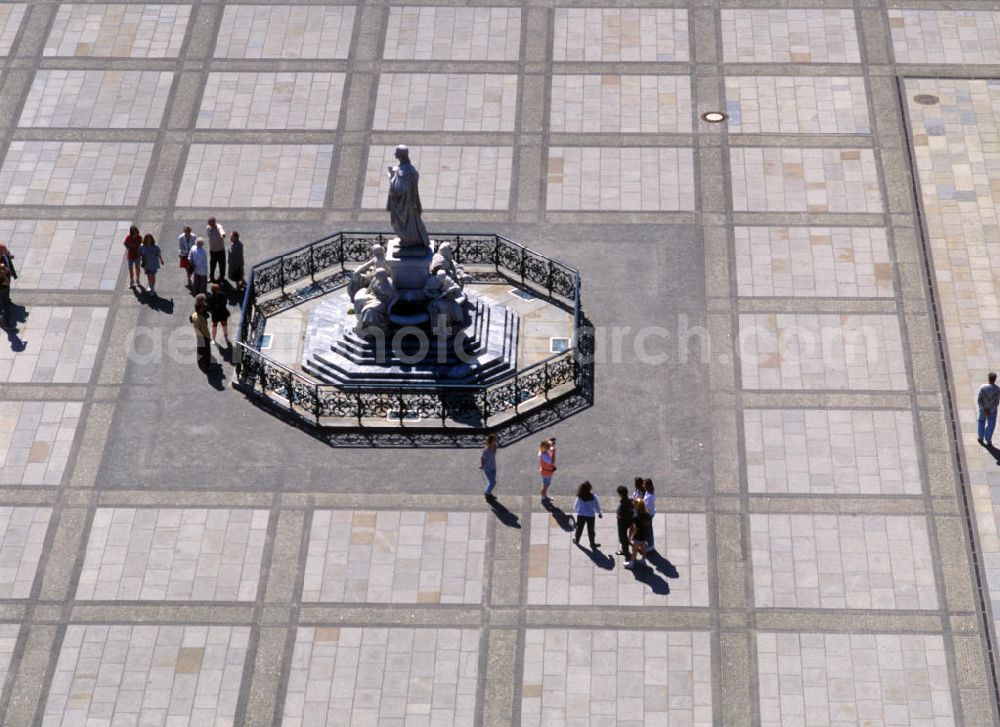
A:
(409, 271)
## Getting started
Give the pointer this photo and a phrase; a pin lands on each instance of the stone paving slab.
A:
(35, 440)
(776, 35)
(8, 642)
(66, 254)
(22, 537)
(288, 101)
(446, 102)
(966, 37)
(842, 452)
(118, 30)
(455, 177)
(166, 554)
(614, 35)
(395, 557)
(834, 679)
(74, 173)
(147, 674)
(847, 262)
(647, 179)
(427, 32)
(11, 15)
(622, 678)
(97, 99)
(285, 31)
(562, 574)
(797, 105)
(60, 346)
(386, 677)
(620, 104)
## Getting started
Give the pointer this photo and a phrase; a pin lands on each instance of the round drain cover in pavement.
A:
(926, 99)
(714, 117)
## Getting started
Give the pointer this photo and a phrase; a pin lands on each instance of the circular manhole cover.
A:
(714, 117)
(926, 99)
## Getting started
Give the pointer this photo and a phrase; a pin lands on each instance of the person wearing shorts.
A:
(642, 528)
(151, 260)
(185, 241)
(546, 466)
(133, 258)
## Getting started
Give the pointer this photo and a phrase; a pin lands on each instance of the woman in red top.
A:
(547, 465)
(133, 257)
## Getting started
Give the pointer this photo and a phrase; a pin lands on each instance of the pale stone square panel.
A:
(148, 674)
(390, 556)
(97, 99)
(620, 104)
(35, 440)
(811, 262)
(840, 679)
(425, 33)
(255, 175)
(285, 31)
(66, 254)
(234, 100)
(797, 35)
(173, 554)
(74, 173)
(22, 537)
(605, 677)
(116, 30)
(562, 574)
(842, 561)
(821, 351)
(614, 35)
(966, 37)
(446, 102)
(804, 180)
(831, 452)
(60, 346)
(797, 105)
(642, 179)
(451, 177)
(11, 15)
(8, 642)
(383, 676)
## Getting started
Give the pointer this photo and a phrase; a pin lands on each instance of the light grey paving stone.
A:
(647, 179)
(849, 262)
(22, 536)
(381, 676)
(74, 173)
(255, 175)
(8, 641)
(65, 254)
(147, 674)
(425, 33)
(831, 451)
(561, 574)
(97, 99)
(821, 351)
(236, 100)
(842, 561)
(285, 31)
(612, 35)
(797, 35)
(11, 15)
(118, 30)
(35, 440)
(451, 177)
(804, 180)
(966, 37)
(61, 346)
(623, 678)
(446, 102)
(835, 679)
(168, 554)
(395, 557)
(620, 104)
(797, 105)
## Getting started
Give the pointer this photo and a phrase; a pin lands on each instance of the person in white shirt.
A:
(184, 244)
(198, 259)
(649, 499)
(216, 237)
(586, 506)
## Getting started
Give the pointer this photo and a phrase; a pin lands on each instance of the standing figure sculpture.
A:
(404, 207)
(372, 304)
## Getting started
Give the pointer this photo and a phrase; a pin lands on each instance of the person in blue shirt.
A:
(586, 506)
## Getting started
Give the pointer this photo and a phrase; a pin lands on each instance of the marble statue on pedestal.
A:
(403, 206)
(371, 305)
(443, 260)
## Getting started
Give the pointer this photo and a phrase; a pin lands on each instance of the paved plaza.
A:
(794, 309)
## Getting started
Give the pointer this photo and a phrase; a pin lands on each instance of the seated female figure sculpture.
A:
(371, 305)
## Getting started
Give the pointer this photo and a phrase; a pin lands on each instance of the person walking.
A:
(7, 259)
(185, 241)
(5, 278)
(626, 517)
(586, 505)
(641, 530)
(218, 307)
(488, 463)
(987, 401)
(152, 259)
(216, 237)
(199, 321)
(547, 465)
(198, 260)
(133, 258)
(649, 500)
(235, 261)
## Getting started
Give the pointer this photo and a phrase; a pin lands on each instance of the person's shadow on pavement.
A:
(644, 574)
(16, 314)
(562, 519)
(662, 564)
(993, 451)
(502, 514)
(605, 562)
(155, 302)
